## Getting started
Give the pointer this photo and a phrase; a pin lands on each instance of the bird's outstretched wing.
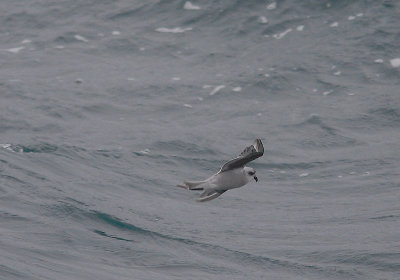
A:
(209, 194)
(250, 153)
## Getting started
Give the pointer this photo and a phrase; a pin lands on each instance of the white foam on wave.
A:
(26, 41)
(81, 38)
(189, 6)
(12, 148)
(115, 32)
(351, 18)
(271, 6)
(334, 24)
(188, 105)
(173, 30)
(15, 50)
(237, 89)
(283, 34)
(216, 89)
(337, 73)
(6, 146)
(379, 60)
(395, 62)
(262, 20)
(145, 151)
(300, 28)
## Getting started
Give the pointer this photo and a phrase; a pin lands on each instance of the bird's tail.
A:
(194, 186)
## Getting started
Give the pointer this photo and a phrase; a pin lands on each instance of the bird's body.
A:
(230, 179)
(233, 174)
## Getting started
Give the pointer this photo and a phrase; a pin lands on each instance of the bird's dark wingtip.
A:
(258, 145)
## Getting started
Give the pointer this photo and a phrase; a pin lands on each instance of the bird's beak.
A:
(255, 178)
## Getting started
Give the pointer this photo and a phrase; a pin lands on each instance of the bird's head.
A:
(250, 172)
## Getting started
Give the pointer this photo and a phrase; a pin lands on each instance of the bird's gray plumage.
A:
(233, 174)
(250, 153)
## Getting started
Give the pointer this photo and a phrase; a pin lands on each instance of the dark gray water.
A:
(107, 105)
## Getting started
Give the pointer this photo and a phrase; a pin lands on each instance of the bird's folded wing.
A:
(250, 153)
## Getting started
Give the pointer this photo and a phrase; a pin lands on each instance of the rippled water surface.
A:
(107, 105)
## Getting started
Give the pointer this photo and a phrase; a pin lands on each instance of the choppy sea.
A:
(106, 105)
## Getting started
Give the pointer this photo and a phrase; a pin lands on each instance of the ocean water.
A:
(106, 105)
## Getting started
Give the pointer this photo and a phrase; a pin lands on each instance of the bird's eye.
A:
(251, 173)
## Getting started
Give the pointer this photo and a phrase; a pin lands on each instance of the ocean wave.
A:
(260, 262)
(317, 133)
